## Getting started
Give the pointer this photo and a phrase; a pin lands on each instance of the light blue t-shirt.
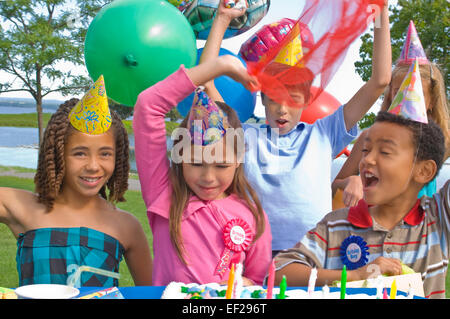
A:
(292, 173)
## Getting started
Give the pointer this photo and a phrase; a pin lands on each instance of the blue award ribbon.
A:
(354, 252)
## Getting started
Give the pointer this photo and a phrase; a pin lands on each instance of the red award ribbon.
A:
(237, 236)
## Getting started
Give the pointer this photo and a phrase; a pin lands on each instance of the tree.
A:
(432, 21)
(40, 42)
(122, 110)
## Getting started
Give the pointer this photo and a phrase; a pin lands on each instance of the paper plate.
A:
(46, 291)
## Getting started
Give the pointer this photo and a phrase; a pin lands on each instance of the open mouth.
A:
(91, 181)
(370, 180)
(281, 122)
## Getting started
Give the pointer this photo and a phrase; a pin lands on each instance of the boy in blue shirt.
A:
(289, 163)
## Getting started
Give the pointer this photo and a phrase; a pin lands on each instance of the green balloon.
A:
(135, 44)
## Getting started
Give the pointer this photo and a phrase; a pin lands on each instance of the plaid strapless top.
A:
(51, 255)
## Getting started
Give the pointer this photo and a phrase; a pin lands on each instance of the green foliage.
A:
(35, 37)
(367, 121)
(40, 43)
(122, 110)
(432, 21)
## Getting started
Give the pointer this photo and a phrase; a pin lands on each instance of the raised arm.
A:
(367, 95)
(151, 107)
(150, 131)
(213, 43)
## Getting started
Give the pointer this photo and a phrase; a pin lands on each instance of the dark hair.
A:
(428, 139)
(51, 166)
(439, 105)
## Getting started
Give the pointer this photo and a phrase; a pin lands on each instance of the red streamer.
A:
(335, 24)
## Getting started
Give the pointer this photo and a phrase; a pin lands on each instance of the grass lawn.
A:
(8, 272)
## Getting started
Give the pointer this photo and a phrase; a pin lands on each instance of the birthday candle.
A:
(410, 294)
(385, 296)
(271, 279)
(238, 283)
(312, 281)
(393, 290)
(230, 283)
(283, 285)
(379, 286)
(325, 292)
(343, 282)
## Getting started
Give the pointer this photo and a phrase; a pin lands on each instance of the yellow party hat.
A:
(91, 115)
(292, 52)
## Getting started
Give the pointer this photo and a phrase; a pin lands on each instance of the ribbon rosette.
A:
(354, 252)
(237, 236)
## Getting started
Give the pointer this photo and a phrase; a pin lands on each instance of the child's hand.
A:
(353, 191)
(380, 266)
(237, 71)
(230, 13)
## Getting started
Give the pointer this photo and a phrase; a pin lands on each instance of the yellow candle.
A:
(230, 283)
(393, 290)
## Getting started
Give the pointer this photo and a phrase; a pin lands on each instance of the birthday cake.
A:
(178, 290)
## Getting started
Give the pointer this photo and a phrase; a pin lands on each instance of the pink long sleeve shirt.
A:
(203, 221)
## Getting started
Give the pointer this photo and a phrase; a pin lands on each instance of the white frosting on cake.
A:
(174, 291)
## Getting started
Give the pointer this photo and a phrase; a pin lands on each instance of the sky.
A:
(343, 86)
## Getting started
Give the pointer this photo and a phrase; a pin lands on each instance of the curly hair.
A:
(51, 165)
(428, 139)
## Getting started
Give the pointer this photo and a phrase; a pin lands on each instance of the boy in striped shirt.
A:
(389, 226)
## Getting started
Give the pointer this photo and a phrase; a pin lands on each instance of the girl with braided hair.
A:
(71, 220)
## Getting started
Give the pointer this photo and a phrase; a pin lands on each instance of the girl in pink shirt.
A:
(204, 215)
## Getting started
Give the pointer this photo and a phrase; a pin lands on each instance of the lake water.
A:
(19, 147)
(21, 110)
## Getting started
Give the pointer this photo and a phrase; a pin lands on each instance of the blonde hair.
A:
(439, 105)
(181, 192)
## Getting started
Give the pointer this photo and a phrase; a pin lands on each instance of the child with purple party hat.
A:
(203, 213)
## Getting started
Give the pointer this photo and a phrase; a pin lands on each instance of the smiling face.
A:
(387, 166)
(282, 116)
(89, 161)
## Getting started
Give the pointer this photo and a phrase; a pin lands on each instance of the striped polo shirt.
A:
(420, 240)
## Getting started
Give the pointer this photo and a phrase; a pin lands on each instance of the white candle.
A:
(312, 281)
(325, 292)
(379, 286)
(238, 282)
